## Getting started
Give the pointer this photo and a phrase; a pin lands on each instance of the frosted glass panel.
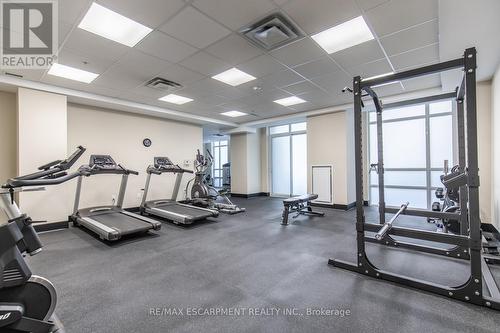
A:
(223, 155)
(299, 127)
(408, 111)
(436, 179)
(372, 116)
(404, 144)
(373, 144)
(279, 129)
(441, 139)
(299, 164)
(439, 107)
(401, 178)
(217, 158)
(396, 196)
(280, 148)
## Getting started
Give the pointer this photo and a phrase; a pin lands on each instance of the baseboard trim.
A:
(50, 226)
(250, 195)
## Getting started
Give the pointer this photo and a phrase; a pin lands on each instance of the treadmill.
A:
(171, 209)
(109, 222)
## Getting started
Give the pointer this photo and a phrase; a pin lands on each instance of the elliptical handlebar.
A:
(52, 173)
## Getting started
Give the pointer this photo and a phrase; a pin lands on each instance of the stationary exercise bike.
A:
(205, 195)
(27, 302)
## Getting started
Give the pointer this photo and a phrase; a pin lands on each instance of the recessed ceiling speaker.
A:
(272, 32)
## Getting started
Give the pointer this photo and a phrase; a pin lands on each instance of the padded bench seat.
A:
(301, 205)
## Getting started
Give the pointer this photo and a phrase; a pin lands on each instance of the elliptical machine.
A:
(27, 302)
(205, 195)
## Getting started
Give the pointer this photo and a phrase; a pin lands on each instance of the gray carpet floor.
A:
(248, 262)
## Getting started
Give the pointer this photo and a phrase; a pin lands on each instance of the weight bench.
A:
(300, 205)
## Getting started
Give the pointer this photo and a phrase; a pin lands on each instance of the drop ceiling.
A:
(194, 40)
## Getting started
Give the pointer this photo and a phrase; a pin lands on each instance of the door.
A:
(288, 160)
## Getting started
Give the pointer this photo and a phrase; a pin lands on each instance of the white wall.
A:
(264, 160)
(120, 135)
(246, 165)
(238, 151)
(8, 143)
(42, 133)
(484, 142)
(495, 149)
(327, 145)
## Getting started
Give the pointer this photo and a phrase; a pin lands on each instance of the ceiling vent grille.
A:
(163, 84)
(272, 32)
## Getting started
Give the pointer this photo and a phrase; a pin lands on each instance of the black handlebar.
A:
(42, 182)
(52, 173)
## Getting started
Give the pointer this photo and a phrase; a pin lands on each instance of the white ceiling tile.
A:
(132, 71)
(233, 13)
(64, 29)
(318, 15)
(205, 63)
(261, 66)
(180, 74)
(422, 56)
(320, 98)
(280, 2)
(165, 47)
(233, 49)
(389, 90)
(378, 67)
(88, 43)
(151, 13)
(92, 64)
(424, 82)
(359, 54)
(412, 38)
(300, 88)
(28, 74)
(71, 11)
(299, 52)
(282, 78)
(334, 83)
(369, 4)
(394, 16)
(308, 105)
(135, 60)
(204, 87)
(317, 68)
(212, 100)
(194, 28)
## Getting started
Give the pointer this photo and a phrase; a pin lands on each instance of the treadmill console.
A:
(165, 164)
(102, 162)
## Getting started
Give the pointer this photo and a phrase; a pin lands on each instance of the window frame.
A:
(427, 116)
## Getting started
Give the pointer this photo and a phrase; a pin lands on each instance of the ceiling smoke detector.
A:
(272, 32)
(162, 84)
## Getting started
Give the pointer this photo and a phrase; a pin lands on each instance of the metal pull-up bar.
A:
(388, 225)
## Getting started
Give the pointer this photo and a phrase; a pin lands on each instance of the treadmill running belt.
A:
(191, 212)
(122, 222)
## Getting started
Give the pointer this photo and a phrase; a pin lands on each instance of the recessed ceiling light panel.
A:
(344, 35)
(234, 114)
(72, 73)
(175, 99)
(289, 101)
(106, 23)
(234, 77)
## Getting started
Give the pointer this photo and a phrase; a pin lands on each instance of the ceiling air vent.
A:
(163, 84)
(271, 32)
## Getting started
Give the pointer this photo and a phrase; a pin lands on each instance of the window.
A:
(220, 154)
(288, 159)
(417, 140)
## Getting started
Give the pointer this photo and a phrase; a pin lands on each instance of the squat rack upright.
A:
(467, 179)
